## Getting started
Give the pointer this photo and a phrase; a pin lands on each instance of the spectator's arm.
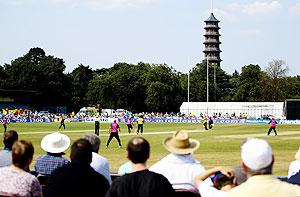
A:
(200, 178)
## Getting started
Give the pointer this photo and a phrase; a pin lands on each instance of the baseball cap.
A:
(256, 154)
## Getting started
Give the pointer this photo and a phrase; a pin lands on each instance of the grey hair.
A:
(263, 171)
(94, 140)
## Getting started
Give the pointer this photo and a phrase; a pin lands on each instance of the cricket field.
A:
(219, 146)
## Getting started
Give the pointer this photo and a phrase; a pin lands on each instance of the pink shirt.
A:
(129, 121)
(273, 123)
(114, 127)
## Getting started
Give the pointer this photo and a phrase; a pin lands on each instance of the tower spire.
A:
(212, 47)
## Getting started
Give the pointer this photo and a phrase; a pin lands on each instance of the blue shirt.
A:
(101, 165)
(46, 164)
(5, 157)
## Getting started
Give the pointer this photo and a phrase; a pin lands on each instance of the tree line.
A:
(140, 87)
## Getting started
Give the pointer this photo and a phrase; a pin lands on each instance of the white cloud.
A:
(233, 11)
(295, 9)
(104, 4)
(260, 7)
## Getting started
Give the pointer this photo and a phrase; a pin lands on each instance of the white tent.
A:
(253, 109)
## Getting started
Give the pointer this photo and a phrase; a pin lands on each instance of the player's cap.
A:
(55, 143)
(256, 154)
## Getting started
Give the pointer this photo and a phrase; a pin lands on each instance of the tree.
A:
(41, 74)
(231, 87)
(293, 87)
(274, 83)
(164, 92)
(123, 86)
(249, 84)
(277, 69)
(198, 83)
(3, 78)
(80, 77)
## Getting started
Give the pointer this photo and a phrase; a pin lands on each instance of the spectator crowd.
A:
(87, 173)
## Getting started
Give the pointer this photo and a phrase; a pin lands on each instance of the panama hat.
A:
(180, 143)
(55, 143)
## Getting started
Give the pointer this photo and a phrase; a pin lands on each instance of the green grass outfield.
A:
(221, 146)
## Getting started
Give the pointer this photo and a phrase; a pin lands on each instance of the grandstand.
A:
(252, 109)
(17, 99)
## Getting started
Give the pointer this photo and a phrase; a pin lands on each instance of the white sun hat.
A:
(256, 154)
(55, 143)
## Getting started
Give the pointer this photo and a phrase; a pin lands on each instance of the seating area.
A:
(43, 179)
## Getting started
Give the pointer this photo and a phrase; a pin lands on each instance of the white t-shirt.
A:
(180, 170)
(206, 189)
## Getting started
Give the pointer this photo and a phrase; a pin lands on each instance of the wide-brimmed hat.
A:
(55, 143)
(297, 155)
(180, 143)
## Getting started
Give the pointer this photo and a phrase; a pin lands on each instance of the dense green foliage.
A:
(141, 87)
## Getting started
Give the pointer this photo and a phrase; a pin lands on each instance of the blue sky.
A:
(100, 33)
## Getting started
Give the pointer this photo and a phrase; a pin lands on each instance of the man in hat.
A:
(140, 182)
(181, 158)
(294, 165)
(54, 144)
(257, 161)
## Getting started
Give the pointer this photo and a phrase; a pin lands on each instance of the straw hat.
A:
(180, 143)
(55, 143)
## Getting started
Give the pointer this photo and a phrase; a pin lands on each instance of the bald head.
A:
(138, 150)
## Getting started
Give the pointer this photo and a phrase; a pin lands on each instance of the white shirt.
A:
(101, 165)
(294, 168)
(180, 170)
(206, 189)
